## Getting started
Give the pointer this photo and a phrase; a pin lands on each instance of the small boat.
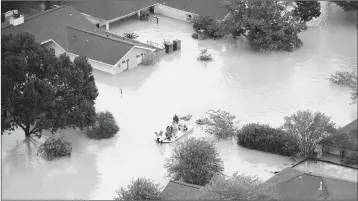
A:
(161, 137)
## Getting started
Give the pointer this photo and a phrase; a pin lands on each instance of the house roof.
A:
(211, 8)
(96, 46)
(291, 184)
(73, 32)
(51, 24)
(110, 9)
(176, 190)
(345, 137)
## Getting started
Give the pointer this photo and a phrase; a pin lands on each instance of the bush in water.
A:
(309, 129)
(204, 55)
(131, 35)
(194, 161)
(55, 147)
(144, 15)
(105, 126)
(237, 187)
(265, 138)
(139, 189)
(211, 27)
(221, 124)
(347, 79)
(195, 35)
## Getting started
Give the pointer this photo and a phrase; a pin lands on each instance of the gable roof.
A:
(176, 190)
(345, 137)
(110, 9)
(211, 8)
(51, 24)
(96, 46)
(74, 33)
(291, 184)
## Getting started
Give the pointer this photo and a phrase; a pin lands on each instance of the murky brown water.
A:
(256, 87)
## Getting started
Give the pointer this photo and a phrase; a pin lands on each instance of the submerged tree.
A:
(42, 91)
(268, 25)
(347, 79)
(139, 189)
(309, 129)
(221, 124)
(307, 10)
(237, 187)
(194, 161)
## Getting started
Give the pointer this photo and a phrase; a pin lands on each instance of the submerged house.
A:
(343, 142)
(65, 30)
(104, 12)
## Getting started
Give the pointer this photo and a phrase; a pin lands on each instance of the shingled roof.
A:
(74, 33)
(291, 184)
(110, 9)
(176, 190)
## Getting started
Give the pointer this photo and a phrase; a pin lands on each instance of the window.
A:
(142, 54)
(127, 60)
(123, 62)
(137, 56)
(52, 51)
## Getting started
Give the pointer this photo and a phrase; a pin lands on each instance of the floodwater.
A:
(256, 87)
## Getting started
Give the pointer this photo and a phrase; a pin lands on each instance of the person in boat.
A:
(176, 119)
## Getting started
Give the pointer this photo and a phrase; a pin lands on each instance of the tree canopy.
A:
(347, 5)
(268, 25)
(139, 189)
(307, 10)
(309, 129)
(221, 124)
(194, 161)
(42, 91)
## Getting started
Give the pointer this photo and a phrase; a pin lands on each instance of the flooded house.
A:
(64, 30)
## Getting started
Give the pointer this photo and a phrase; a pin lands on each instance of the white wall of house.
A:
(135, 57)
(95, 64)
(172, 12)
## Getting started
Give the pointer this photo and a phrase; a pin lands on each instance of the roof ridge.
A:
(39, 14)
(100, 35)
(185, 184)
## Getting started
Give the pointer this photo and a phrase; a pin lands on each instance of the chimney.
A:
(16, 18)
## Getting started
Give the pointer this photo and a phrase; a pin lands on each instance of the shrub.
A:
(55, 147)
(105, 126)
(211, 27)
(204, 55)
(237, 187)
(144, 15)
(195, 35)
(194, 161)
(139, 189)
(350, 159)
(265, 138)
(308, 129)
(221, 124)
(131, 35)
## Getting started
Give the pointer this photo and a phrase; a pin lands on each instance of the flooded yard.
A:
(256, 87)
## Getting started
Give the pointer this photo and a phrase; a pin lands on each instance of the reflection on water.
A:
(256, 87)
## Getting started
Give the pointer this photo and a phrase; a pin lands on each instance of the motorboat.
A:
(173, 132)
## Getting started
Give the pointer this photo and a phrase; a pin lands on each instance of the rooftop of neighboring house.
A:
(291, 184)
(176, 190)
(345, 137)
(110, 9)
(211, 8)
(74, 33)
